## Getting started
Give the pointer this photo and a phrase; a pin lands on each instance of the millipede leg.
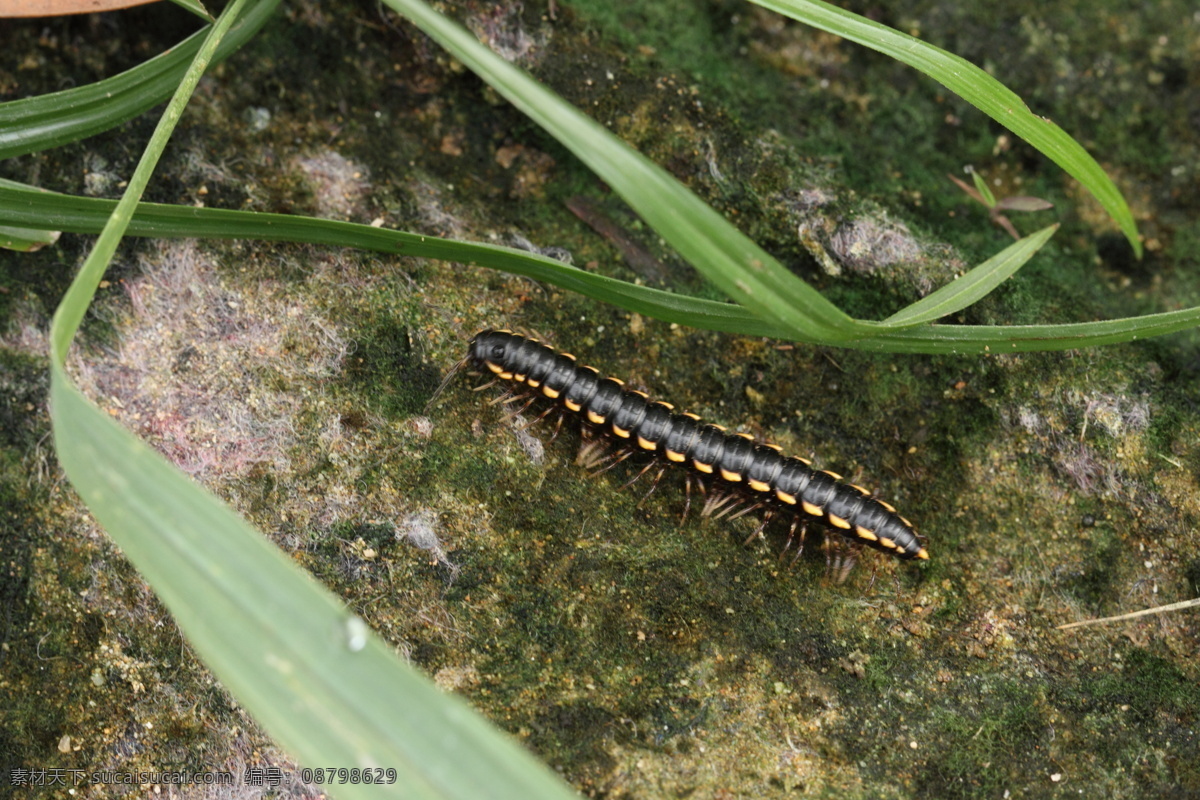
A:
(634, 479)
(524, 425)
(701, 487)
(728, 504)
(715, 502)
(523, 408)
(662, 469)
(687, 497)
(840, 557)
(747, 510)
(758, 531)
(502, 400)
(848, 559)
(792, 535)
(557, 425)
(617, 458)
(591, 452)
(874, 573)
(612, 458)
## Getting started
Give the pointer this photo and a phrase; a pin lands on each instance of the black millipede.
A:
(725, 463)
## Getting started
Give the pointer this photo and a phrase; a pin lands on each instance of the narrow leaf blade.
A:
(728, 258)
(38, 123)
(977, 283)
(312, 673)
(976, 87)
(1024, 203)
(985, 192)
(25, 205)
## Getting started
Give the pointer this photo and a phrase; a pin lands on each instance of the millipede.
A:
(726, 465)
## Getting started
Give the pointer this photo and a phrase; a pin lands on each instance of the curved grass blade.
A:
(330, 691)
(50, 120)
(977, 283)
(728, 258)
(962, 339)
(21, 205)
(976, 87)
(313, 674)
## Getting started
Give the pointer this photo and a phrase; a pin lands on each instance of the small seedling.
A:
(996, 208)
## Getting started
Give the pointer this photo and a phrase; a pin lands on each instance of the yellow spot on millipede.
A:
(863, 533)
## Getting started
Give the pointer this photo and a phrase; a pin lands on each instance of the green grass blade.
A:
(331, 692)
(38, 123)
(79, 294)
(960, 339)
(312, 673)
(23, 205)
(733, 262)
(25, 240)
(984, 190)
(196, 7)
(976, 87)
(977, 283)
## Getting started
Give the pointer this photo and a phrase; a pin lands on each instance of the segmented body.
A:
(785, 485)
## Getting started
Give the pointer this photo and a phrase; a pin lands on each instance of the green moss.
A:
(987, 747)
(1150, 685)
(1099, 581)
(388, 370)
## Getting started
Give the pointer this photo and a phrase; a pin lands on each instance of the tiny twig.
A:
(1134, 615)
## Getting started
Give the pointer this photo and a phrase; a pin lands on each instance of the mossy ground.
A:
(641, 657)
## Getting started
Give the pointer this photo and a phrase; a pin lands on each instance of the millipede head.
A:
(490, 347)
